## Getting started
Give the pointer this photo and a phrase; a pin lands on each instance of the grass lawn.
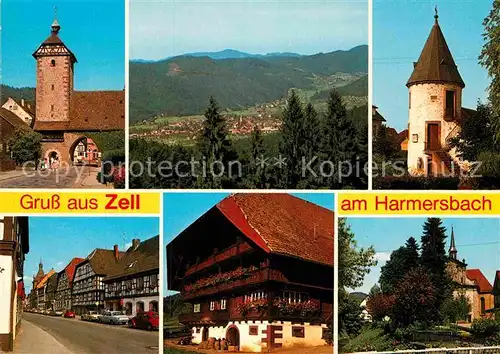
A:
(368, 340)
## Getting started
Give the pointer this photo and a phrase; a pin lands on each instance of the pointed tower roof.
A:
(453, 249)
(40, 272)
(53, 41)
(435, 63)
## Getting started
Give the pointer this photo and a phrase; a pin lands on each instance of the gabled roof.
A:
(45, 278)
(12, 119)
(478, 277)
(435, 64)
(283, 224)
(70, 269)
(94, 110)
(102, 261)
(135, 261)
(376, 116)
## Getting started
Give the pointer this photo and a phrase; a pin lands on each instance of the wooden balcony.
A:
(256, 277)
(228, 253)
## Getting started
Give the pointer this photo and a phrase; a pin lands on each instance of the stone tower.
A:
(54, 78)
(435, 107)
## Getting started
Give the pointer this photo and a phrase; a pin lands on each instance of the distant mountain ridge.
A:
(183, 85)
(227, 54)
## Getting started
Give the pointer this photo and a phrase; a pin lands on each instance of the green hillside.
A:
(28, 93)
(183, 85)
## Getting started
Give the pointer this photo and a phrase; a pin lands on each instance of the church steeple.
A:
(435, 64)
(55, 25)
(453, 249)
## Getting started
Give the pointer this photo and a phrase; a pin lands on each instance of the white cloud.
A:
(382, 256)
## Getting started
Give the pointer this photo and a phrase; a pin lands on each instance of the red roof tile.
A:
(478, 277)
(71, 267)
(283, 224)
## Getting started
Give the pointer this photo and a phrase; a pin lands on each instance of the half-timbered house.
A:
(65, 284)
(14, 245)
(132, 285)
(88, 286)
(258, 271)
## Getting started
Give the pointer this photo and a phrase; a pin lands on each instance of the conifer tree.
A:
(339, 143)
(214, 145)
(311, 146)
(292, 138)
(257, 171)
(434, 259)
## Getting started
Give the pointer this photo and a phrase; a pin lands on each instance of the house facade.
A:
(51, 292)
(258, 271)
(471, 283)
(14, 245)
(65, 285)
(63, 115)
(88, 286)
(40, 291)
(435, 108)
(132, 285)
(24, 110)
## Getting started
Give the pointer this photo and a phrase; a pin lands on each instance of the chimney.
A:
(135, 243)
(115, 249)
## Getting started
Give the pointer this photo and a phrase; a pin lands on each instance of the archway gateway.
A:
(233, 336)
(84, 151)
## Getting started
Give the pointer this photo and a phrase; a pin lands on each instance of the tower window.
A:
(52, 87)
(450, 104)
(52, 62)
(52, 107)
(409, 99)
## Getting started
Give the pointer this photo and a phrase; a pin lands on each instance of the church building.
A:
(64, 116)
(435, 109)
(470, 282)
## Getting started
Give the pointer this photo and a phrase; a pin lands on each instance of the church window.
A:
(52, 63)
(450, 104)
(483, 306)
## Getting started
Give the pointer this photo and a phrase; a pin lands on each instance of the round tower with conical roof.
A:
(435, 107)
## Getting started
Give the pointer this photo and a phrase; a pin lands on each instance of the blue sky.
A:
(57, 240)
(94, 30)
(181, 209)
(168, 28)
(477, 240)
(400, 29)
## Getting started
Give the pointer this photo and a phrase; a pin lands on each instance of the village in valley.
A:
(110, 294)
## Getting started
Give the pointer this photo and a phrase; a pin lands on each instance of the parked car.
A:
(92, 316)
(145, 320)
(69, 314)
(59, 313)
(114, 317)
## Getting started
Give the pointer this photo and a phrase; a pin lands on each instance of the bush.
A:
(485, 327)
(380, 305)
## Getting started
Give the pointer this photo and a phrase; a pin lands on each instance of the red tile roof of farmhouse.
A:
(283, 224)
(478, 277)
(142, 259)
(435, 63)
(91, 111)
(71, 267)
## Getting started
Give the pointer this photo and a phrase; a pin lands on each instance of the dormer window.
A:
(52, 63)
(450, 104)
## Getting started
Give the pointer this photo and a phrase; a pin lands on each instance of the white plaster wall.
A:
(5, 293)
(423, 109)
(146, 300)
(312, 336)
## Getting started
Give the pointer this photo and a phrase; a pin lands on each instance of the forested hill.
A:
(183, 85)
(28, 93)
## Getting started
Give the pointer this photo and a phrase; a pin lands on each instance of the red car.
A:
(145, 320)
(69, 314)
